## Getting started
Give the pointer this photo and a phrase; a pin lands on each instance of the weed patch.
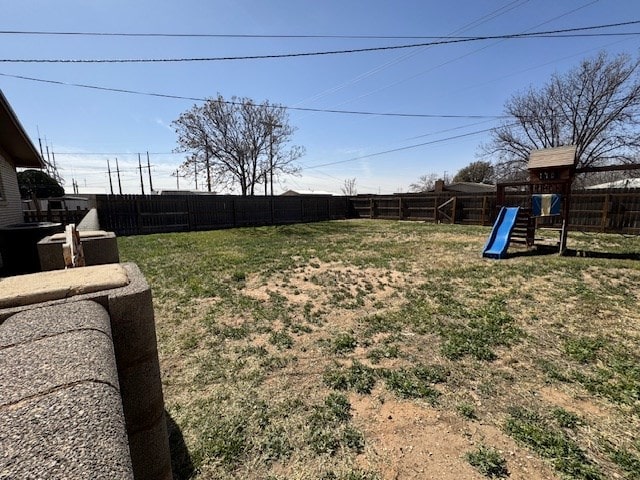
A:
(407, 384)
(488, 328)
(565, 455)
(329, 429)
(357, 377)
(489, 462)
(583, 349)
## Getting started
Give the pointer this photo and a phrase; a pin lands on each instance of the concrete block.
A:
(90, 221)
(130, 308)
(99, 248)
(38, 323)
(72, 433)
(40, 366)
(37, 288)
(61, 414)
(133, 325)
(142, 400)
(147, 447)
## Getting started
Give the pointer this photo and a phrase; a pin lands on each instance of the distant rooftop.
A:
(470, 187)
(624, 183)
(552, 157)
(290, 193)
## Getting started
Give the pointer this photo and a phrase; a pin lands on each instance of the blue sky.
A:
(85, 127)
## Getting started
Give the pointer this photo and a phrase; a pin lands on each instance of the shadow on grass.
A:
(537, 251)
(541, 250)
(609, 255)
(181, 463)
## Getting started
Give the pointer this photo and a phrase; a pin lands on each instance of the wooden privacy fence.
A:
(446, 207)
(142, 214)
(611, 210)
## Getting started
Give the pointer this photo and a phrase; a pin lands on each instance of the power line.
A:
(562, 33)
(406, 55)
(223, 35)
(408, 147)
(432, 68)
(229, 102)
(248, 35)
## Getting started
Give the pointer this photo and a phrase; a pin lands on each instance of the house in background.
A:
(463, 187)
(624, 183)
(295, 193)
(16, 150)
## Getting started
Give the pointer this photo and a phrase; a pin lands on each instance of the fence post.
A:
(453, 211)
(605, 213)
(233, 211)
(190, 222)
(484, 209)
(138, 215)
(271, 202)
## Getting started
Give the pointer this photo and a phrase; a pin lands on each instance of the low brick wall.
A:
(80, 391)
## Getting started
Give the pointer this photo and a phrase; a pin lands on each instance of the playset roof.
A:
(552, 157)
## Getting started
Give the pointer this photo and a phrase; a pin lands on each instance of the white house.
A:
(16, 150)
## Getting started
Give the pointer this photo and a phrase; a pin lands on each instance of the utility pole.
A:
(110, 181)
(177, 175)
(140, 168)
(48, 157)
(118, 170)
(55, 166)
(41, 152)
(149, 169)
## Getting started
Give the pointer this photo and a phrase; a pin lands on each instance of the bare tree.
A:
(425, 183)
(349, 187)
(237, 142)
(595, 106)
(476, 172)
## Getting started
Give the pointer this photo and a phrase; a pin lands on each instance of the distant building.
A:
(68, 202)
(625, 183)
(181, 192)
(464, 187)
(291, 193)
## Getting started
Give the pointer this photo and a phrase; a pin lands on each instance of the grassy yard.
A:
(357, 350)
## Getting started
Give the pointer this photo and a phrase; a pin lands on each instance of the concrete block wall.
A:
(99, 248)
(60, 409)
(126, 307)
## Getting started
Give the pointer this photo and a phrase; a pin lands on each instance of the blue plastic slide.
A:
(498, 242)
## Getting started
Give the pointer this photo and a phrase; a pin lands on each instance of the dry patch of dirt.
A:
(580, 406)
(409, 441)
(332, 284)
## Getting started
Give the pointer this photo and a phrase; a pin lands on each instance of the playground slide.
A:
(498, 242)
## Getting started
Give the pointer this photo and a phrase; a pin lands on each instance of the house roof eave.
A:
(14, 139)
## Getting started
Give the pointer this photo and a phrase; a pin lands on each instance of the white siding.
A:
(10, 204)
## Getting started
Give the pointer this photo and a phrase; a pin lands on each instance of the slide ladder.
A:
(525, 228)
(498, 241)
